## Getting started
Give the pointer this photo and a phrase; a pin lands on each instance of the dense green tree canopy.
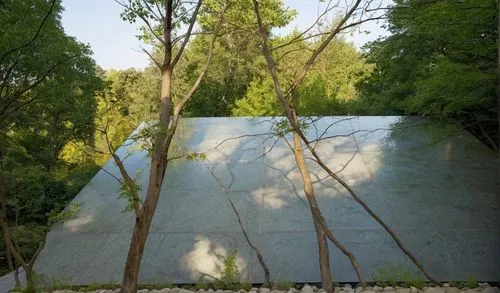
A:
(237, 57)
(328, 89)
(441, 60)
(48, 85)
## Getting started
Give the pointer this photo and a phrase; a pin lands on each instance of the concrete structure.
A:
(440, 198)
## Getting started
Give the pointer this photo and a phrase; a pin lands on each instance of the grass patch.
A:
(396, 275)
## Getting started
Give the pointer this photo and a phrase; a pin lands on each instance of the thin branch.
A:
(150, 9)
(188, 34)
(293, 119)
(328, 128)
(254, 248)
(180, 37)
(366, 132)
(152, 58)
(36, 254)
(195, 86)
(321, 47)
(128, 180)
(6, 77)
(316, 212)
(144, 19)
(52, 5)
(19, 93)
(266, 152)
(112, 175)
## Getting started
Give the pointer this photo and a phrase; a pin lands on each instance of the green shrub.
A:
(230, 277)
(66, 214)
(391, 275)
(245, 285)
(469, 281)
(282, 284)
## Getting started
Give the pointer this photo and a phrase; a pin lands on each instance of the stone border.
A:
(347, 288)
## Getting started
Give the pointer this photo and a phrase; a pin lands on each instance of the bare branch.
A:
(128, 180)
(182, 36)
(299, 36)
(188, 34)
(290, 110)
(254, 248)
(36, 254)
(152, 58)
(112, 175)
(322, 46)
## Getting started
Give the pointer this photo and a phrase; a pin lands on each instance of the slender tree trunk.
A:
(8, 239)
(135, 252)
(324, 259)
(157, 173)
(13, 266)
(163, 138)
(16, 275)
(9, 258)
(165, 99)
(30, 280)
(5, 224)
(18, 258)
(140, 235)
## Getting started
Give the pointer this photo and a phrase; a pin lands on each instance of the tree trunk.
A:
(16, 275)
(324, 259)
(30, 280)
(132, 266)
(164, 104)
(156, 176)
(13, 266)
(9, 258)
(138, 242)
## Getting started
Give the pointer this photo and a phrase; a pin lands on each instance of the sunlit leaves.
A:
(440, 60)
(64, 215)
(196, 156)
(129, 191)
(47, 86)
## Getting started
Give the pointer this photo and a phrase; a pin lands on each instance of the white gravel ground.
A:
(446, 288)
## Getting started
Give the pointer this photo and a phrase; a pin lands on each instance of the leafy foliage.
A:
(441, 60)
(65, 214)
(329, 88)
(283, 284)
(196, 156)
(127, 192)
(237, 60)
(469, 281)
(48, 84)
(230, 276)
